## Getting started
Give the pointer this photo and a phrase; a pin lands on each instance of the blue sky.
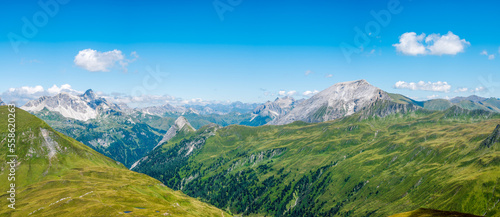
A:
(249, 50)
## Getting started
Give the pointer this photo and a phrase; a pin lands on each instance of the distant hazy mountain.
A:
(1, 102)
(80, 107)
(277, 108)
(339, 100)
(222, 109)
(208, 109)
(472, 98)
(271, 110)
(163, 110)
(471, 103)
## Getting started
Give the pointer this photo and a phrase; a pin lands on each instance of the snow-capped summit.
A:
(339, 100)
(80, 107)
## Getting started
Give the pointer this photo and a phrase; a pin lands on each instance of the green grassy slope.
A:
(125, 138)
(398, 98)
(348, 167)
(78, 181)
(432, 213)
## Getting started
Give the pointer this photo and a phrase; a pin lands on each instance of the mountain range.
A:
(128, 134)
(81, 107)
(349, 150)
(339, 100)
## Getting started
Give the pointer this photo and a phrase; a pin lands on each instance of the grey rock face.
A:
(180, 124)
(277, 108)
(337, 101)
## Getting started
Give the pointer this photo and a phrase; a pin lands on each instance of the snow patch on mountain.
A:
(80, 107)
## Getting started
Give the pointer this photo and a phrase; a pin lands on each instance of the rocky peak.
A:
(181, 122)
(89, 95)
(340, 100)
(180, 125)
(493, 138)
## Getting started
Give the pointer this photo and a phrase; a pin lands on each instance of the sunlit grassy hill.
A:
(58, 176)
(362, 165)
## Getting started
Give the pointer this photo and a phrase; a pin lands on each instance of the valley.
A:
(58, 176)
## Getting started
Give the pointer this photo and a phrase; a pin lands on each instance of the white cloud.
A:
(449, 44)
(95, 61)
(27, 89)
(421, 85)
(308, 72)
(435, 44)
(411, 44)
(135, 55)
(289, 93)
(328, 76)
(477, 89)
(56, 90)
(193, 101)
(309, 93)
(462, 89)
(21, 95)
(432, 96)
(485, 53)
(153, 100)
